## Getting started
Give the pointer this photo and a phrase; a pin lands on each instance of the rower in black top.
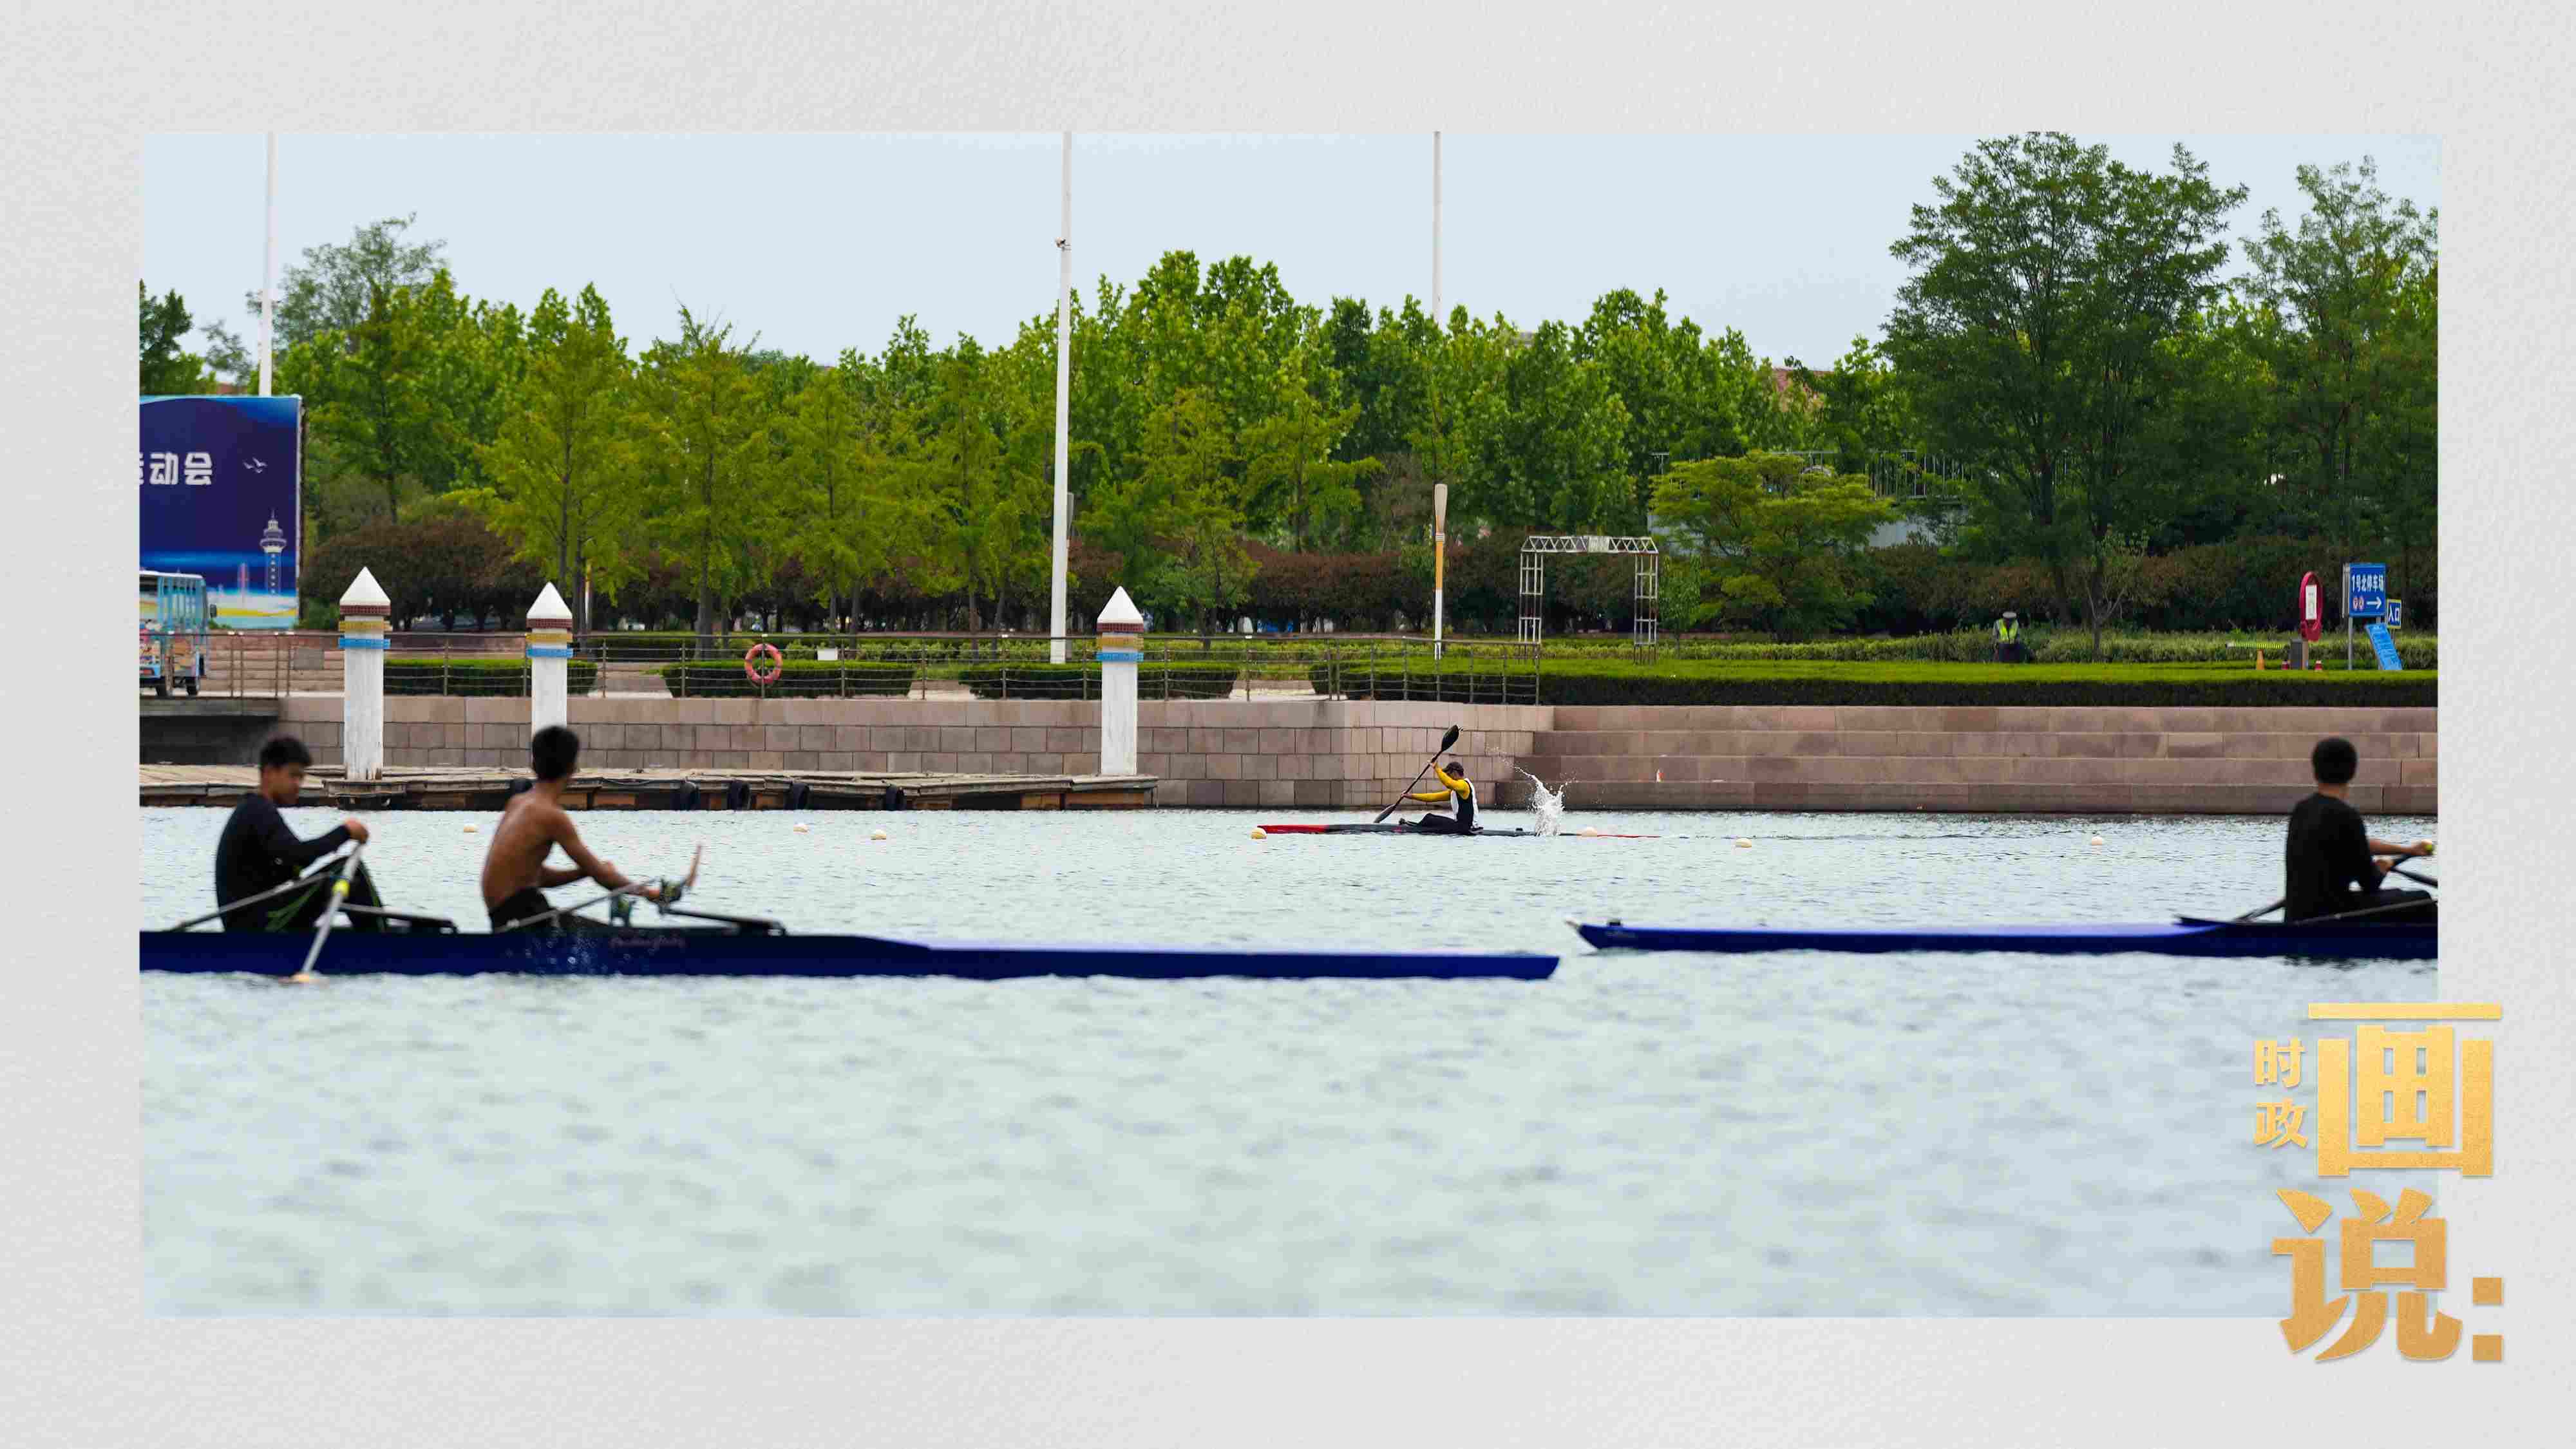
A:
(2330, 865)
(259, 852)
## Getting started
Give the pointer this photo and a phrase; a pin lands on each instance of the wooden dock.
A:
(485, 789)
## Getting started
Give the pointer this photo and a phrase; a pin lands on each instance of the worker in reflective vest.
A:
(2008, 638)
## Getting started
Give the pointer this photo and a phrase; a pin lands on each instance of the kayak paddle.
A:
(1446, 741)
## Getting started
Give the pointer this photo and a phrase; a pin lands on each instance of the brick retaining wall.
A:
(1318, 754)
(1981, 760)
(1324, 754)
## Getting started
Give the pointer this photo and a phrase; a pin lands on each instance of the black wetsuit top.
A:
(2328, 859)
(259, 852)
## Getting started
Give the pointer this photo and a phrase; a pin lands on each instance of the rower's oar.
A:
(2265, 911)
(1446, 741)
(272, 893)
(621, 901)
(2410, 875)
(330, 913)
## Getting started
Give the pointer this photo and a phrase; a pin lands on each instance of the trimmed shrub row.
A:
(1082, 681)
(1977, 646)
(2188, 686)
(441, 675)
(797, 679)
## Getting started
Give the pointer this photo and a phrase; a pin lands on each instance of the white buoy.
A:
(1260, 834)
(802, 827)
(469, 830)
(1589, 830)
(1743, 844)
(876, 835)
(2097, 840)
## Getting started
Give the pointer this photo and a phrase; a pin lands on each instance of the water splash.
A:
(1548, 805)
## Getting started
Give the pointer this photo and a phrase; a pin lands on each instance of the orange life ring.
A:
(759, 675)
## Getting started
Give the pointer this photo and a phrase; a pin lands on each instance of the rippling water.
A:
(1642, 1134)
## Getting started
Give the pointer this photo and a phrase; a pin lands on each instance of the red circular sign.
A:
(2312, 609)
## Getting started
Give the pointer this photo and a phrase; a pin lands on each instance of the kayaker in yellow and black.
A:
(1454, 786)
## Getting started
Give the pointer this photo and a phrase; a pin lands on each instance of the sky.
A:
(819, 243)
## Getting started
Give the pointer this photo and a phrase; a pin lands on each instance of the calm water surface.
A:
(1642, 1134)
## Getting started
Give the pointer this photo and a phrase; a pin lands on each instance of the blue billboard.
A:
(221, 481)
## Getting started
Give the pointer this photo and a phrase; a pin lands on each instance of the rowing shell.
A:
(1392, 828)
(669, 951)
(2185, 936)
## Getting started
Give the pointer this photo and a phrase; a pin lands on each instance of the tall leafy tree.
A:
(1294, 483)
(1178, 520)
(1548, 445)
(704, 455)
(372, 397)
(2334, 299)
(167, 367)
(333, 288)
(2044, 283)
(562, 463)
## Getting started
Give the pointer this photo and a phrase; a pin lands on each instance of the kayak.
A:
(2184, 936)
(1482, 833)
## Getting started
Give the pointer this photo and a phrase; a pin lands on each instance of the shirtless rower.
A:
(515, 873)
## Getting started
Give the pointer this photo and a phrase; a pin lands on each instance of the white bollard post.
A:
(549, 661)
(364, 610)
(1122, 645)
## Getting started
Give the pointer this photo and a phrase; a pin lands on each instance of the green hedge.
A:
(2047, 645)
(1586, 682)
(1082, 681)
(2144, 685)
(797, 679)
(451, 675)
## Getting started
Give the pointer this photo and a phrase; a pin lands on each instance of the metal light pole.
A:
(1439, 491)
(1063, 406)
(268, 274)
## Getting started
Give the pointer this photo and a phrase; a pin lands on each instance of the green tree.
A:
(1547, 446)
(1294, 482)
(834, 478)
(563, 462)
(2044, 284)
(167, 368)
(1178, 520)
(1768, 540)
(334, 288)
(704, 463)
(370, 397)
(2333, 304)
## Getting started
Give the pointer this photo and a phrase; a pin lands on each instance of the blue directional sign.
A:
(2365, 590)
(2383, 646)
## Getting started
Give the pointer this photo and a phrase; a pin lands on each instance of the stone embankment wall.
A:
(1325, 754)
(1317, 754)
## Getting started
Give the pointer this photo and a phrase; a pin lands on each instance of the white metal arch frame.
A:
(1643, 626)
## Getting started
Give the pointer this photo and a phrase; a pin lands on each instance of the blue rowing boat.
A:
(696, 951)
(2185, 936)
